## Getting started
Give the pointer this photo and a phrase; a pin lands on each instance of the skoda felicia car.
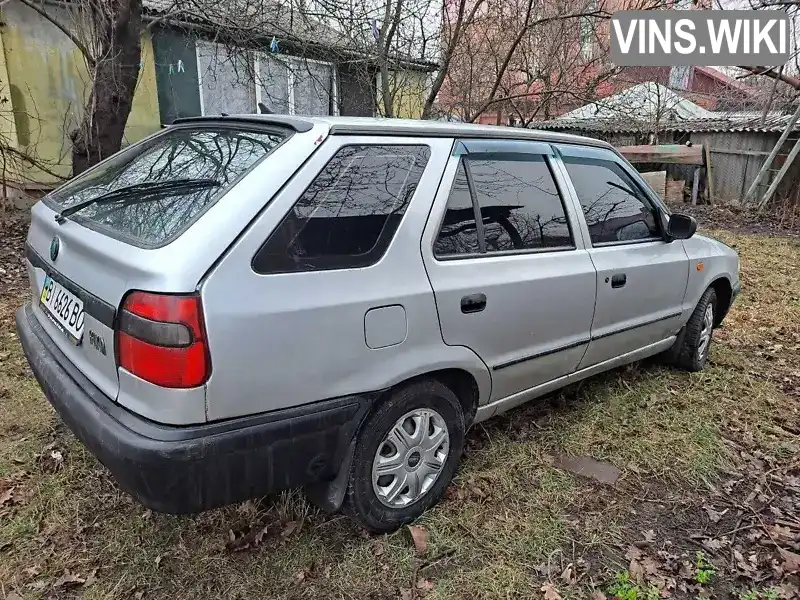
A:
(243, 304)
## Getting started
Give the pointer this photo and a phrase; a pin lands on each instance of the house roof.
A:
(643, 102)
(265, 19)
(725, 79)
(280, 20)
(717, 122)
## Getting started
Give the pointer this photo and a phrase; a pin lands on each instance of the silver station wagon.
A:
(243, 304)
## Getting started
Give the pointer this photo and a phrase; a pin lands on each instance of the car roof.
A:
(403, 127)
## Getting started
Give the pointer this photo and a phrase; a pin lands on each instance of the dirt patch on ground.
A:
(735, 219)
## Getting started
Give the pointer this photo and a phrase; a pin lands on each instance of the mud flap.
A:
(329, 495)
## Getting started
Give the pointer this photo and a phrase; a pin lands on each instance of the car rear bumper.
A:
(194, 468)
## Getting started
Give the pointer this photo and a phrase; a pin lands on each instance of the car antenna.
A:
(262, 108)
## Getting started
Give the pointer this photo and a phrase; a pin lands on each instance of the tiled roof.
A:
(643, 101)
(648, 106)
(718, 122)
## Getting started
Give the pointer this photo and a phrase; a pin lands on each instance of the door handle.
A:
(619, 280)
(473, 303)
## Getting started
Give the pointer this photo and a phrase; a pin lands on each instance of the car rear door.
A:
(511, 277)
(641, 278)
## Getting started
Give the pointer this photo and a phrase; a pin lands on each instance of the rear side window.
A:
(349, 214)
(147, 215)
(459, 232)
(616, 210)
(519, 204)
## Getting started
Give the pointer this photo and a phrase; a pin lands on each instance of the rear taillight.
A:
(161, 338)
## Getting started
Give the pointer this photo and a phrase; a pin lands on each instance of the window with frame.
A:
(615, 208)
(349, 214)
(235, 82)
(519, 203)
(587, 32)
(296, 86)
(225, 80)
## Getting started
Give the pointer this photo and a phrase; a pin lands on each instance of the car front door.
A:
(641, 278)
(511, 277)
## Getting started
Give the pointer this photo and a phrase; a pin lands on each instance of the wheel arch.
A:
(460, 381)
(724, 292)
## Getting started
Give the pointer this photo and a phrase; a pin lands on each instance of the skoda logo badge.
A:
(54, 247)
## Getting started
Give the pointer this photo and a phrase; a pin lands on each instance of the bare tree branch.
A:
(770, 72)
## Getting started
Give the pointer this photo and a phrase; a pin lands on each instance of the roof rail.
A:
(298, 125)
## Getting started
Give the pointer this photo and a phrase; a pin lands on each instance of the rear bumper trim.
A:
(191, 469)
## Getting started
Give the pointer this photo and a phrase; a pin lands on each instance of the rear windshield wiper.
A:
(146, 189)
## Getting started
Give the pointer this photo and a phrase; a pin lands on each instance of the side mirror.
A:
(681, 227)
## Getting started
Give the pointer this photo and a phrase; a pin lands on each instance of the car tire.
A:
(397, 474)
(690, 351)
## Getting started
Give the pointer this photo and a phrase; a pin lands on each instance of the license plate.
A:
(64, 308)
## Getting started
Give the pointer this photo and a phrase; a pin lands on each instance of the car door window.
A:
(350, 212)
(459, 231)
(616, 210)
(519, 205)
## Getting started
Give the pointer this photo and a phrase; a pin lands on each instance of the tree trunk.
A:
(114, 76)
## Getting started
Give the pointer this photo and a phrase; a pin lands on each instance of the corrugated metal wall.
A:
(736, 157)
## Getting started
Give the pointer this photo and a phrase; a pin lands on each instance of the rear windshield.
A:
(218, 155)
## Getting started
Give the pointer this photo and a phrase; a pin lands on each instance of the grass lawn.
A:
(709, 464)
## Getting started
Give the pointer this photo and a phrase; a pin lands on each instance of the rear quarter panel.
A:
(288, 339)
(109, 268)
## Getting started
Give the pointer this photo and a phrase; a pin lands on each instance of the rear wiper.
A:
(130, 191)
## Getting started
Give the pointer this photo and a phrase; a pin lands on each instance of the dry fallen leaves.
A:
(420, 537)
(712, 544)
(713, 515)
(791, 561)
(782, 535)
(568, 575)
(69, 580)
(250, 540)
(650, 566)
(550, 592)
(32, 571)
(7, 496)
(290, 528)
(745, 568)
(477, 491)
(635, 567)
